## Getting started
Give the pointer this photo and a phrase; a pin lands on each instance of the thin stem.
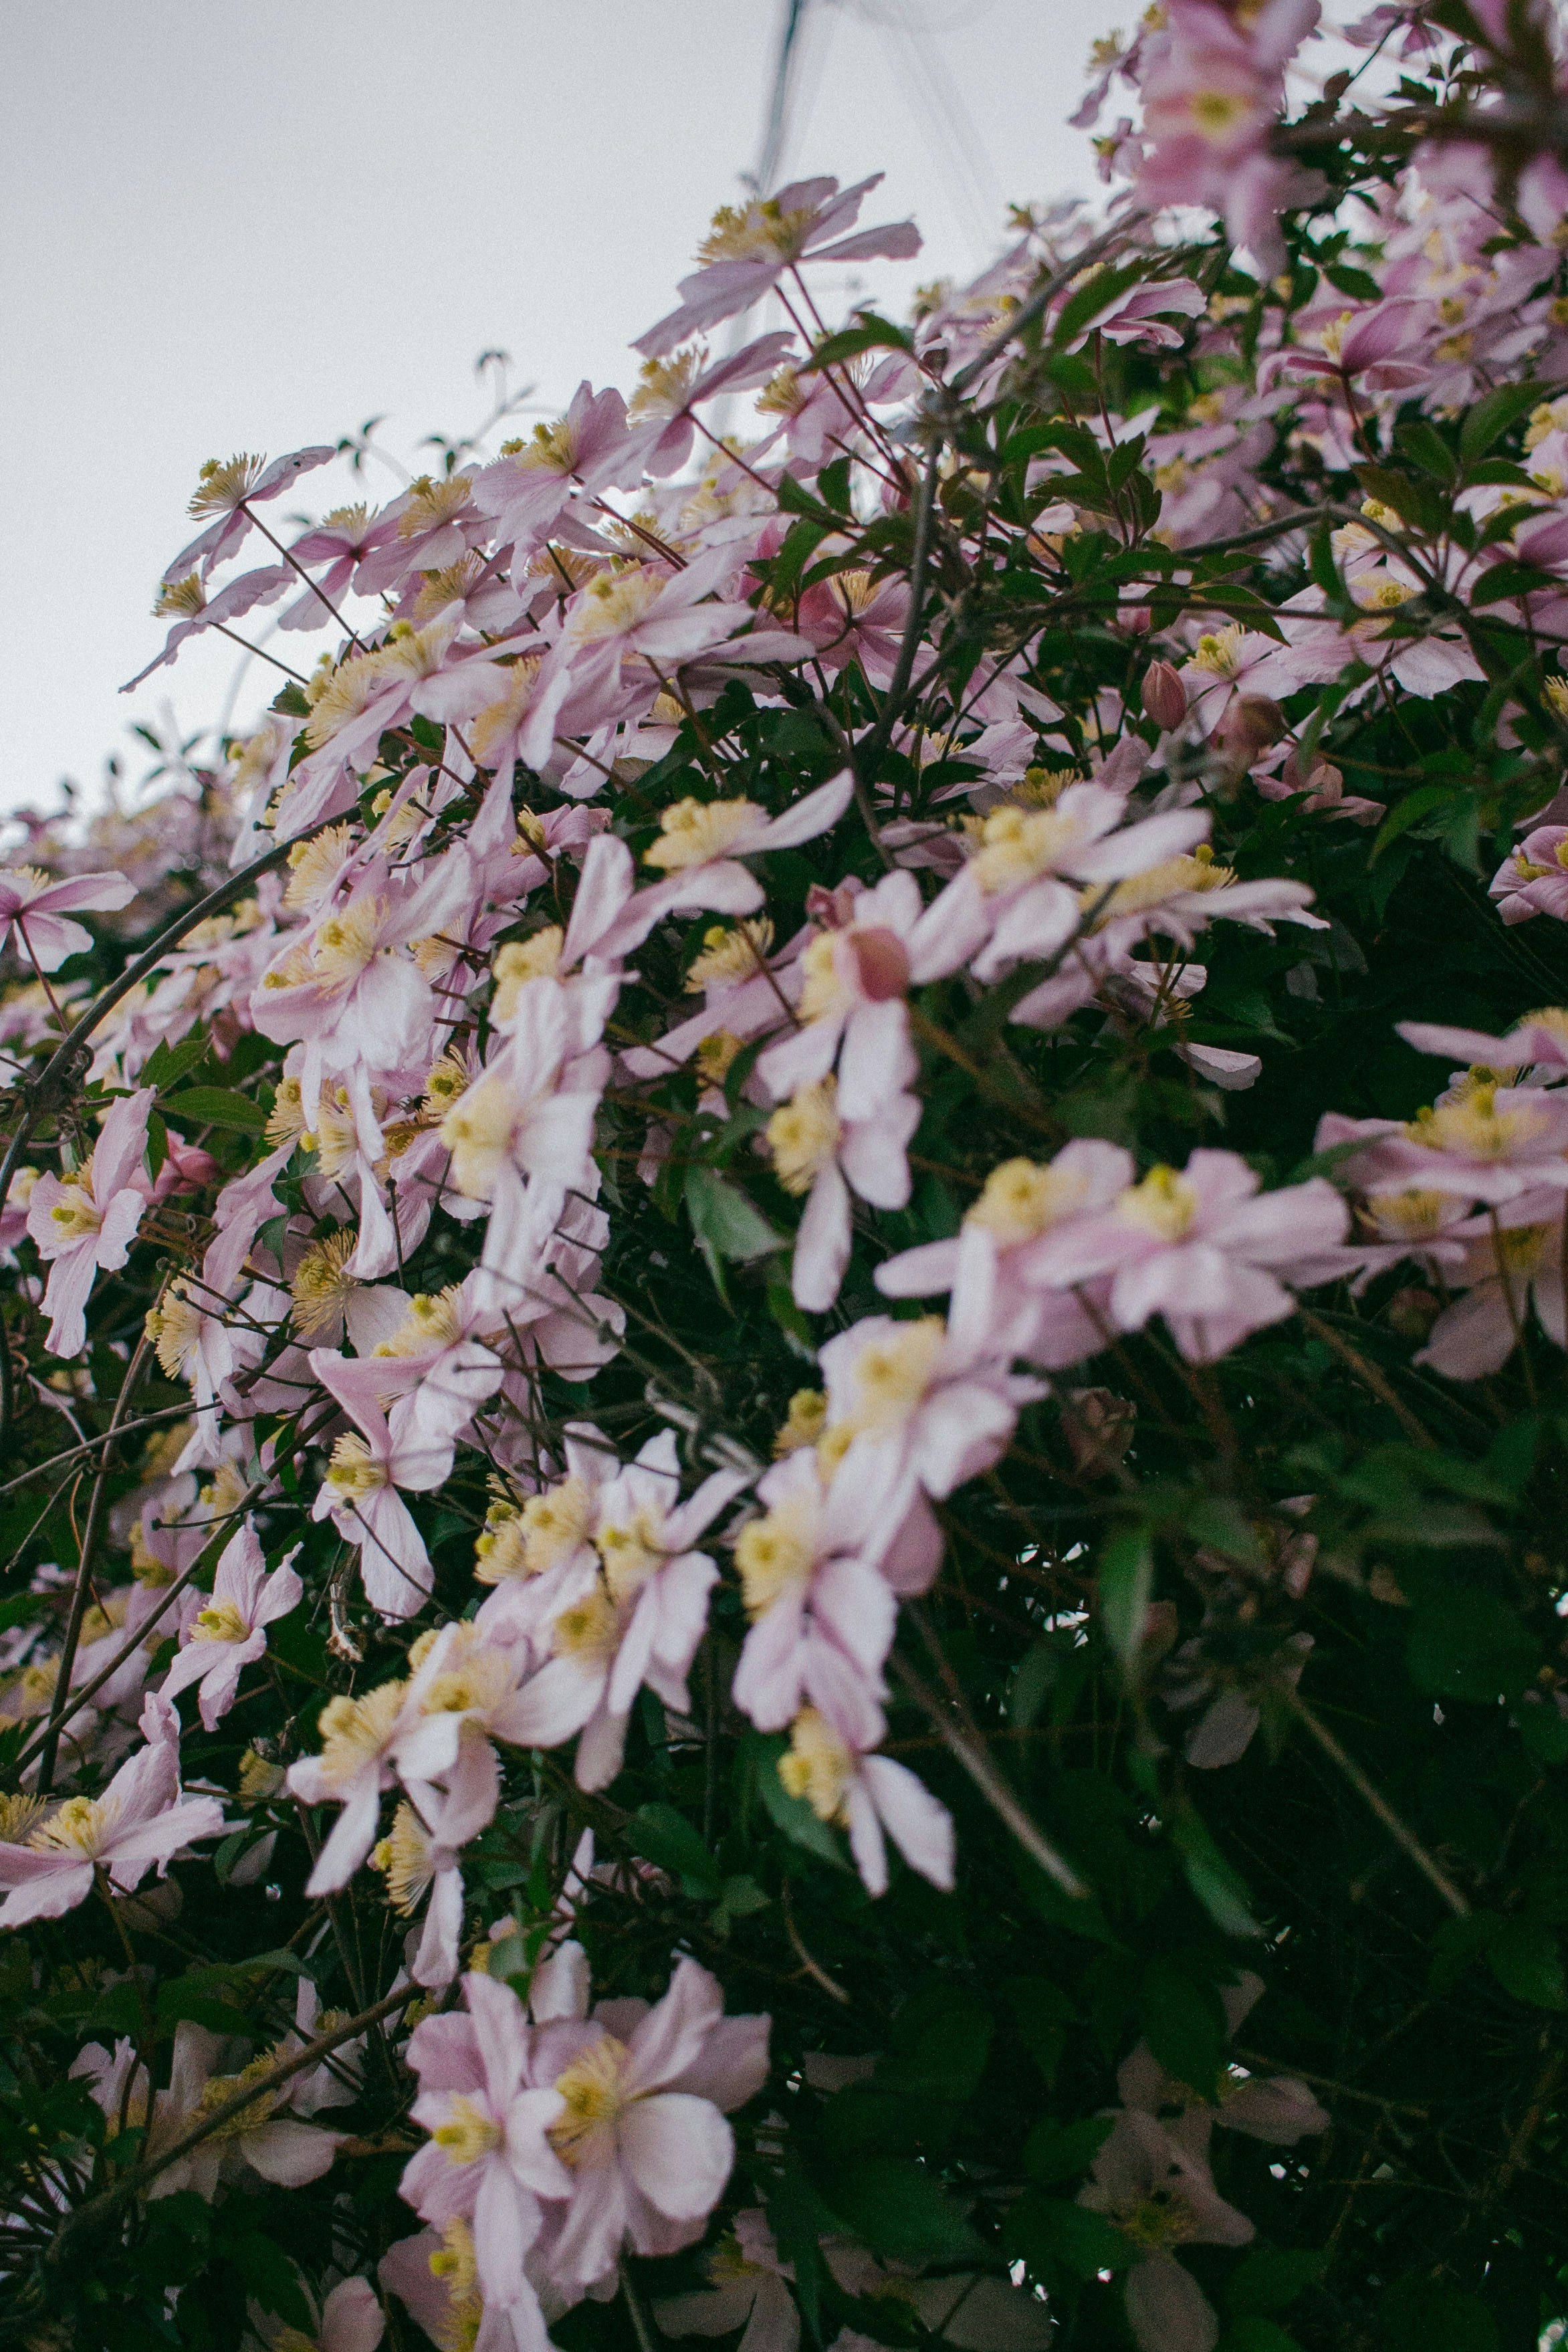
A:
(1373, 1797)
(967, 1750)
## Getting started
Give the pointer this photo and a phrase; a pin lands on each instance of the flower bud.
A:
(1164, 696)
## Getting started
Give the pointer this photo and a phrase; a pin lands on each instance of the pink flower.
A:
(140, 1819)
(851, 617)
(817, 1152)
(871, 948)
(263, 2135)
(699, 850)
(1199, 1249)
(1278, 2108)
(820, 1577)
(1021, 1205)
(37, 909)
(1533, 878)
(412, 1447)
(1160, 2193)
(750, 2290)
(640, 1620)
(640, 2122)
(872, 1798)
(1480, 1142)
(230, 1633)
(228, 491)
(86, 1220)
(488, 2110)
(1512, 1260)
(927, 1403)
(669, 389)
(352, 2320)
(748, 249)
(529, 484)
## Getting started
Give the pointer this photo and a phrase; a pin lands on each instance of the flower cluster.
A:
(726, 1277)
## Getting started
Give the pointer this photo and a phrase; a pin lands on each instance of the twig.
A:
(972, 1756)
(1379, 1804)
(99, 2210)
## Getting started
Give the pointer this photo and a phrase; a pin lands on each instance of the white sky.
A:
(253, 224)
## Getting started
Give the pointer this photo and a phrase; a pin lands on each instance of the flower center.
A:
(354, 1469)
(803, 1135)
(1021, 1199)
(1474, 1128)
(355, 1731)
(404, 1860)
(1018, 845)
(893, 1375)
(219, 1622)
(175, 1331)
(729, 957)
(817, 1765)
(76, 1213)
(631, 1553)
(588, 1630)
(695, 831)
(322, 1282)
(775, 1555)
(81, 1828)
(468, 2132)
(593, 2087)
(1164, 1204)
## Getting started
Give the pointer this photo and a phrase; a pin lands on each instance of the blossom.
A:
(816, 1152)
(640, 1623)
(642, 2093)
(1159, 2193)
(872, 1798)
(820, 1576)
(750, 246)
(350, 2320)
(410, 1447)
(86, 1220)
(1199, 1248)
(38, 910)
(748, 2288)
(1511, 1260)
(489, 2158)
(139, 1821)
(230, 1633)
(930, 1403)
(1534, 878)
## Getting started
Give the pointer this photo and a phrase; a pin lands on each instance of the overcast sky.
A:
(253, 224)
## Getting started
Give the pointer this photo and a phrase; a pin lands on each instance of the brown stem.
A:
(1373, 1798)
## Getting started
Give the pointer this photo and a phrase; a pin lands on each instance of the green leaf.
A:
(1465, 1643)
(1511, 580)
(168, 1063)
(1358, 283)
(1426, 448)
(1254, 2335)
(1409, 812)
(662, 1835)
(901, 2210)
(1057, 2152)
(217, 1106)
(1047, 2231)
(1184, 2024)
(872, 334)
(1044, 2016)
(1489, 419)
(183, 1997)
(1268, 2281)
(22, 1610)
(1420, 2314)
(725, 1223)
(941, 2040)
(1126, 1580)
(1527, 1960)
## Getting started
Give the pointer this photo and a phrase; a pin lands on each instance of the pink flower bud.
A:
(1164, 696)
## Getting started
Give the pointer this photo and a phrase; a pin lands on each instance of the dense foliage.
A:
(783, 1345)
